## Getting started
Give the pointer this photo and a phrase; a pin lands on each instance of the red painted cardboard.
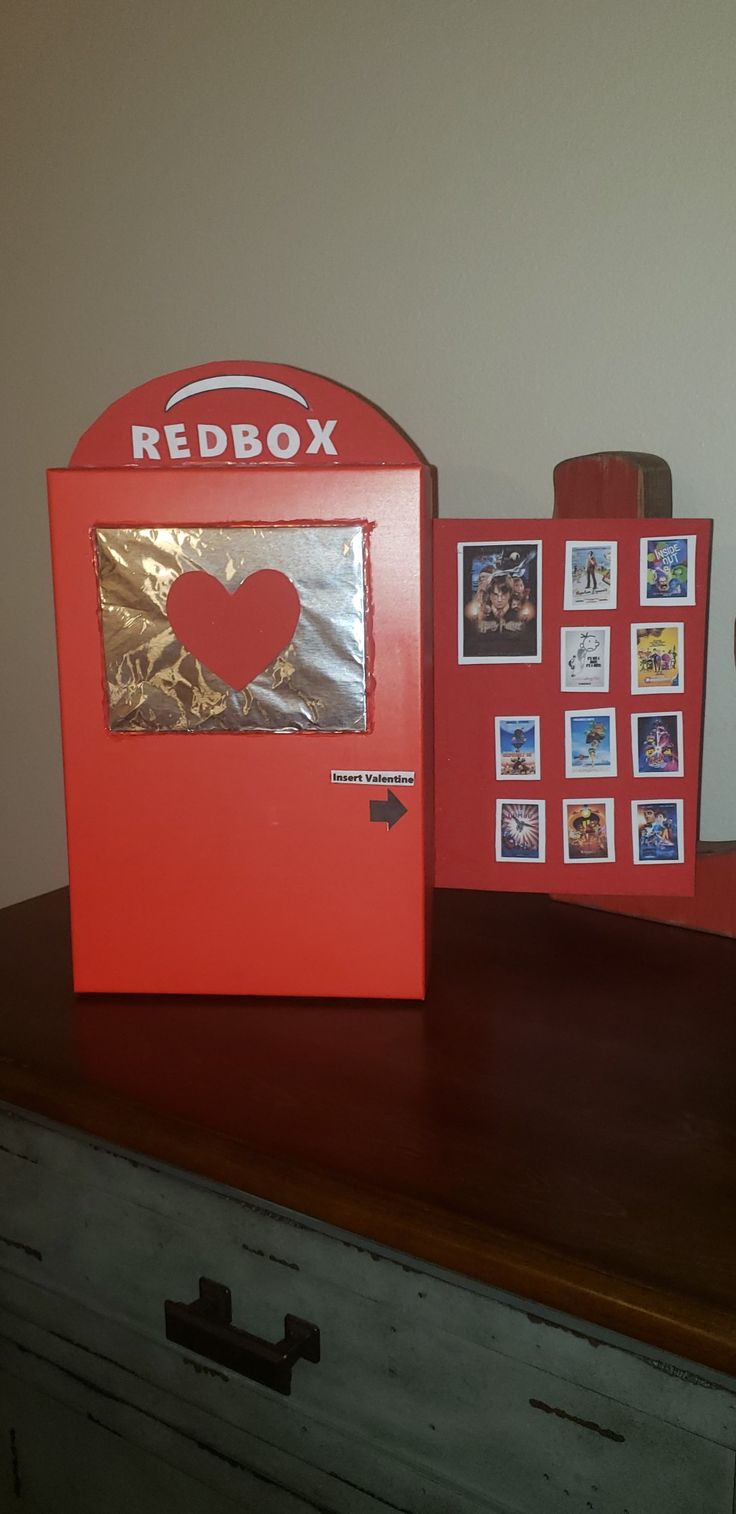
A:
(229, 862)
(469, 697)
(242, 413)
(712, 908)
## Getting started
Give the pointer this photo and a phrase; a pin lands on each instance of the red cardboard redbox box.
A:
(242, 584)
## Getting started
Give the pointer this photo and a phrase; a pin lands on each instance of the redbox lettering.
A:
(242, 440)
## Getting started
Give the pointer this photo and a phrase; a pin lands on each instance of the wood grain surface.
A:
(604, 485)
(558, 1119)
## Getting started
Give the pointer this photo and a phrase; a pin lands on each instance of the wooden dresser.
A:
(509, 1212)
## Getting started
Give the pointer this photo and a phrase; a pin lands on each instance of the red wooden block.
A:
(609, 485)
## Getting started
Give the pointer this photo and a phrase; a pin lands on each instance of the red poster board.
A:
(238, 860)
(470, 696)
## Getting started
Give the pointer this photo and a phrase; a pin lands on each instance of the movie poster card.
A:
(499, 601)
(656, 745)
(590, 575)
(517, 747)
(520, 830)
(587, 830)
(657, 830)
(667, 570)
(658, 658)
(585, 654)
(590, 743)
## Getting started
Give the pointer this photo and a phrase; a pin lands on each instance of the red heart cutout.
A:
(235, 633)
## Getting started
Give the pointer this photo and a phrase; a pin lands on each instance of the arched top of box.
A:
(242, 413)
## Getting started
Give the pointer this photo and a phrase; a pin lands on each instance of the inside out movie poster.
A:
(500, 601)
(668, 570)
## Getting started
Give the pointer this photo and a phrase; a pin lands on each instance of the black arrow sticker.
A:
(388, 810)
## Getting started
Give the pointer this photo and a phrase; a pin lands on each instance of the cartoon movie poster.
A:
(585, 656)
(520, 831)
(590, 743)
(668, 570)
(588, 830)
(656, 742)
(517, 746)
(657, 830)
(657, 658)
(500, 601)
(590, 575)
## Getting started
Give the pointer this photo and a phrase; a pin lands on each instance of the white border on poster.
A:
(658, 625)
(636, 805)
(680, 599)
(675, 715)
(586, 688)
(518, 777)
(593, 773)
(542, 817)
(601, 604)
(511, 541)
(608, 805)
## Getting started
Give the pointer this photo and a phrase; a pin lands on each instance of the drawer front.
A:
(431, 1395)
(98, 1382)
(57, 1459)
(67, 1448)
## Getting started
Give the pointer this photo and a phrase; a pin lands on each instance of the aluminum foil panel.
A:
(316, 681)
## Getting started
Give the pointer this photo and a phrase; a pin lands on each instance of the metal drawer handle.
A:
(205, 1327)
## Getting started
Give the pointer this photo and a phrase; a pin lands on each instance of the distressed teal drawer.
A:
(433, 1395)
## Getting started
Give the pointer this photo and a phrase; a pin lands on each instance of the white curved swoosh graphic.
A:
(235, 381)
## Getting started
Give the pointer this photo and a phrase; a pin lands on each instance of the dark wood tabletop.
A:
(558, 1119)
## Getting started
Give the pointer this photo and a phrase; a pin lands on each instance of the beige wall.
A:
(510, 222)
